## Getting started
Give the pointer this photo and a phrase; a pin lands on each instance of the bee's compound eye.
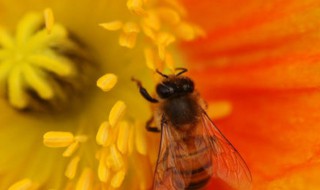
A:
(188, 86)
(164, 91)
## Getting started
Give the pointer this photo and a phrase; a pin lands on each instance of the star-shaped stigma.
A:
(35, 63)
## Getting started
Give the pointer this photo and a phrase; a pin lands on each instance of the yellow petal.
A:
(107, 81)
(58, 139)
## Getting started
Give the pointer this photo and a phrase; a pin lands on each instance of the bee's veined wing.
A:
(227, 164)
(168, 175)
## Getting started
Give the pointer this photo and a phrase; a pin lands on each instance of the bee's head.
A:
(174, 86)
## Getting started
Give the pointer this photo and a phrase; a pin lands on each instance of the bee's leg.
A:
(151, 128)
(144, 92)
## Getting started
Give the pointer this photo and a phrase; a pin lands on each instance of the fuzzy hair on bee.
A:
(192, 149)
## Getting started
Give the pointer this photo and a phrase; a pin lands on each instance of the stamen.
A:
(103, 171)
(116, 112)
(149, 58)
(169, 15)
(117, 179)
(140, 140)
(128, 39)
(85, 181)
(122, 140)
(71, 149)
(104, 134)
(131, 142)
(131, 27)
(72, 168)
(58, 139)
(49, 19)
(218, 110)
(169, 62)
(136, 7)
(186, 31)
(107, 81)
(112, 26)
(24, 184)
(115, 159)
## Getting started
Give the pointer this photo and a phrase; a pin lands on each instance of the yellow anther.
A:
(17, 96)
(113, 26)
(24, 184)
(107, 81)
(123, 137)
(218, 110)
(117, 179)
(169, 15)
(150, 59)
(115, 159)
(140, 140)
(116, 112)
(131, 142)
(85, 181)
(165, 38)
(169, 61)
(72, 167)
(152, 21)
(186, 31)
(149, 32)
(71, 149)
(136, 7)
(49, 19)
(128, 39)
(131, 27)
(103, 136)
(58, 139)
(103, 172)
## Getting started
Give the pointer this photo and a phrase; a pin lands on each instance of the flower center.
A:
(41, 69)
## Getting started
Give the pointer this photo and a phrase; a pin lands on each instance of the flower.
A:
(59, 130)
(262, 59)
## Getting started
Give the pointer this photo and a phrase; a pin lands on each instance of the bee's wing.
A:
(227, 164)
(168, 175)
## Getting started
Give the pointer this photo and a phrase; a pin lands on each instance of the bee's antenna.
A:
(183, 70)
(163, 75)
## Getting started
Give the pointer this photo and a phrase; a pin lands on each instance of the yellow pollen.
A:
(24, 184)
(49, 19)
(103, 136)
(186, 31)
(169, 61)
(152, 21)
(123, 137)
(218, 110)
(112, 26)
(150, 59)
(71, 149)
(116, 112)
(103, 171)
(72, 167)
(131, 142)
(107, 81)
(85, 181)
(81, 138)
(117, 179)
(58, 139)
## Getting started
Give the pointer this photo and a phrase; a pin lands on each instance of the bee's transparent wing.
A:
(227, 164)
(168, 175)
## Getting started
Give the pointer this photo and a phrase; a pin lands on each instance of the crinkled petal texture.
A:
(263, 57)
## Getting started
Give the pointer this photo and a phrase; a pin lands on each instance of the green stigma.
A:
(39, 68)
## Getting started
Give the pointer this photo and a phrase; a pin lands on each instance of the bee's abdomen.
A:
(196, 165)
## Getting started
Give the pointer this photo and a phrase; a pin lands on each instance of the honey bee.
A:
(192, 150)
